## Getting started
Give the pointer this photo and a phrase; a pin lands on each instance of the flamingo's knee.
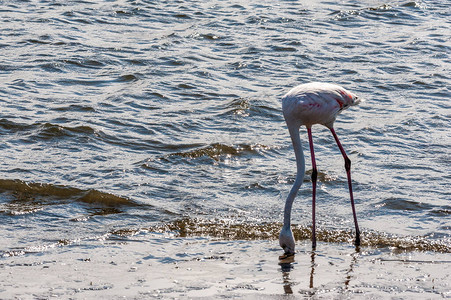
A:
(347, 164)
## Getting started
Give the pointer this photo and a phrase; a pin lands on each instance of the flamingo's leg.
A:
(314, 179)
(348, 173)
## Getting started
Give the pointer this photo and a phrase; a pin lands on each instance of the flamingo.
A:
(309, 104)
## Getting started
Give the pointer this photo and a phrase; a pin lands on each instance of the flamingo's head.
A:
(356, 99)
(286, 240)
(349, 99)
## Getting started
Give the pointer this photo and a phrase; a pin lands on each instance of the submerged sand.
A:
(159, 266)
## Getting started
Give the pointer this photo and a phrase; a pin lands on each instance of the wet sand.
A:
(162, 266)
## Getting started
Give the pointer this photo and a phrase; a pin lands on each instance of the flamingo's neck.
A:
(300, 165)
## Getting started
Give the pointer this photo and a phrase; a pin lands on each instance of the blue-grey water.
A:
(119, 117)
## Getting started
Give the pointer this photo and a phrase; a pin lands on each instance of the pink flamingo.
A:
(309, 104)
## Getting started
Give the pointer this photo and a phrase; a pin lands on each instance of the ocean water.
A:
(126, 117)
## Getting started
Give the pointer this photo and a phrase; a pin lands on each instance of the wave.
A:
(11, 126)
(47, 130)
(392, 13)
(230, 230)
(218, 150)
(244, 106)
(24, 191)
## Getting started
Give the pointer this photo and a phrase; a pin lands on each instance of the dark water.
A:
(132, 116)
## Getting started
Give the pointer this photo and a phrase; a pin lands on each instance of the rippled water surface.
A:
(129, 116)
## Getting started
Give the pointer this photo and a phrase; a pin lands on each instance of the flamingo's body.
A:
(309, 104)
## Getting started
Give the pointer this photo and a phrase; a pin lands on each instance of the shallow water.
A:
(133, 116)
(157, 266)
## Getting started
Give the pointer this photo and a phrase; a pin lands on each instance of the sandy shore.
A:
(159, 266)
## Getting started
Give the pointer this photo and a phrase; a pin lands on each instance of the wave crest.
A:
(250, 231)
(24, 192)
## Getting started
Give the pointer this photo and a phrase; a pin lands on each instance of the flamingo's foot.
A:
(286, 255)
(357, 240)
